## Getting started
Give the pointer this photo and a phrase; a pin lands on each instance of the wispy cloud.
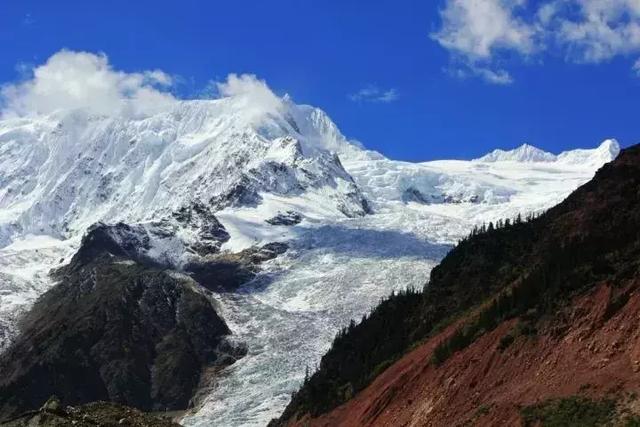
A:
(493, 76)
(480, 34)
(373, 93)
(474, 30)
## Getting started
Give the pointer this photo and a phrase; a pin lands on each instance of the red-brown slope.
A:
(587, 353)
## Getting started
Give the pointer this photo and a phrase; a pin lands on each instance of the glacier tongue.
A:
(358, 225)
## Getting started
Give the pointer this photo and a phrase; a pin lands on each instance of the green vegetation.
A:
(520, 300)
(482, 410)
(574, 411)
(631, 421)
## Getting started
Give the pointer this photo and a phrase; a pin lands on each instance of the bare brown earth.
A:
(587, 353)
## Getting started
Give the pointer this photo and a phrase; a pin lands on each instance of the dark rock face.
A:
(241, 194)
(115, 330)
(226, 272)
(459, 198)
(211, 232)
(285, 218)
(366, 206)
(268, 251)
(412, 194)
(120, 240)
(133, 241)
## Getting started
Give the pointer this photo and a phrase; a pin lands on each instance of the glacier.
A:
(366, 225)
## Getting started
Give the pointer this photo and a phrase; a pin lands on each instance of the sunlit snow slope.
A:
(369, 225)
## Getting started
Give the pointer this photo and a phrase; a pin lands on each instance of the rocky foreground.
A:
(53, 414)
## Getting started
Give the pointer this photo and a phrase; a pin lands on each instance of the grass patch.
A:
(482, 410)
(574, 411)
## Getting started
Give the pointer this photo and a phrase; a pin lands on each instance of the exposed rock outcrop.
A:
(285, 218)
(226, 271)
(106, 414)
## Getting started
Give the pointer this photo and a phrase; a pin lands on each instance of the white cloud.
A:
(480, 33)
(603, 29)
(547, 11)
(499, 77)
(373, 93)
(475, 31)
(251, 94)
(83, 80)
(248, 86)
(71, 80)
(477, 28)
(636, 67)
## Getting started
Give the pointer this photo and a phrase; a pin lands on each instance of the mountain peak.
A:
(607, 151)
(609, 147)
(524, 153)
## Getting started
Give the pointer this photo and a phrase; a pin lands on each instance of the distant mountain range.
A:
(608, 150)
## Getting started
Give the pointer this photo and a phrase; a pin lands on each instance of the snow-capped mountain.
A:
(524, 153)
(69, 170)
(608, 150)
(357, 224)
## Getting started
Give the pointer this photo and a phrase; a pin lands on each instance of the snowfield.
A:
(367, 225)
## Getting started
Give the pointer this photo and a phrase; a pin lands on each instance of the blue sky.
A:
(416, 80)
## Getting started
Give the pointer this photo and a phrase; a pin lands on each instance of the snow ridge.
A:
(524, 153)
(606, 152)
